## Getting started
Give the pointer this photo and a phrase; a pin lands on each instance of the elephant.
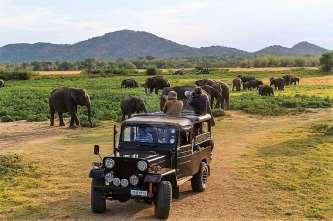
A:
(156, 83)
(246, 78)
(294, 80)
(265, 90)
(213, 93)
(237, 83)
(252, 84)
(65, 100)
(129, 83)
(180, 90)
(2, 83)
(130, 105)
(278, 83)
(286, 78)
(220, 86)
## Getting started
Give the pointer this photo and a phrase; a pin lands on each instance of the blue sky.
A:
(243, 24)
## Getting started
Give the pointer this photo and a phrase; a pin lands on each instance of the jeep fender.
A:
(169, 175)
(96, 173)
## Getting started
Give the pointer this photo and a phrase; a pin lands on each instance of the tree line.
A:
(92, 65)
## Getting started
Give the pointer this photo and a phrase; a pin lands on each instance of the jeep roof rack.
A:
(185, 119)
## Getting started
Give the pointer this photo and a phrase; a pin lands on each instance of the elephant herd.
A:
(216, 91)
(66, 100)
(250, 82)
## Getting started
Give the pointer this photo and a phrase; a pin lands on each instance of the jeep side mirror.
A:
(96, 149)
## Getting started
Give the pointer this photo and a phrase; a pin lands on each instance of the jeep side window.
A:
(197, 129)
(185, 137)
(205, 127)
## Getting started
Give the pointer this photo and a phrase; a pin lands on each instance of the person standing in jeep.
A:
(200, 104)
(173, 107)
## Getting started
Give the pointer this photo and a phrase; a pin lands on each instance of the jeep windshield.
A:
(150, 135)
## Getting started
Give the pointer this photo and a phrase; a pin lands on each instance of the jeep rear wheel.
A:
(98, 201)
(163, 200)
(199, 180)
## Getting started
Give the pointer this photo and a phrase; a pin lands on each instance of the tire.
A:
(199, 180)
(163, 200)
(98, 201)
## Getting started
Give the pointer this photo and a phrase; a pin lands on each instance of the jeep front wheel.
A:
(163, 200)
(199, 180)
(98, 201)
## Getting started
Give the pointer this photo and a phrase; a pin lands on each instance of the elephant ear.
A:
(78, 96)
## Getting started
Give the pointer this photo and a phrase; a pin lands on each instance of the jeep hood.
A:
(150, 156)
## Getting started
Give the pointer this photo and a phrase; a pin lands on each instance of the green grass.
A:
(28, 100)
(299, 173)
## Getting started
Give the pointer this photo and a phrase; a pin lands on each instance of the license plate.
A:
(139, 193)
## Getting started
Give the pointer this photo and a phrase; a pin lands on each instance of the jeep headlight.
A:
(109, 163)
(116, 181)
(134, 180)
(142, 165)
(109, 177)
(124, 182)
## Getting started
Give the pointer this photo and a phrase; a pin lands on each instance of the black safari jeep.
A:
(155, 155)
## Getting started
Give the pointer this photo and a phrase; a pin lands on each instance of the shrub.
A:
(152, 71)
(326, 62)
(6, 118)
(15, 75)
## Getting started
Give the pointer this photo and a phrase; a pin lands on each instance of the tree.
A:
(326, 62)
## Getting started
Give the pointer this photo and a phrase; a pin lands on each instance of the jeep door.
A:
(201, 144)
(184, 154)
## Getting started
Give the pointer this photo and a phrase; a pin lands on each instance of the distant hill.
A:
(133, 44)
(302, 48)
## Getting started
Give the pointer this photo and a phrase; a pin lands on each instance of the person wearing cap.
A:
(200, 103)
(173, 107)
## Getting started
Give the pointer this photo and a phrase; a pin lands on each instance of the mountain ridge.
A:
(130, 44)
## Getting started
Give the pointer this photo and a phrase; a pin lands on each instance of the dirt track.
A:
(229, 195)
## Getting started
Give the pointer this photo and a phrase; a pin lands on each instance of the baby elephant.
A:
(130, 105)
(129, 83)
(265, 90)
(2, 83)
(237, 83)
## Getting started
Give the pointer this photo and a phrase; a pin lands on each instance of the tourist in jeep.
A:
(173, 107)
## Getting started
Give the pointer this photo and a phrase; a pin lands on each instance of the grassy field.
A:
(269, 163)
(28, 100)
(263, 168)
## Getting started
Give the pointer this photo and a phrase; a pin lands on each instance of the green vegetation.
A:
(92, 65)
(152, 71)
(299, 171)
(326, 62)
(15, 74)
(28, 100)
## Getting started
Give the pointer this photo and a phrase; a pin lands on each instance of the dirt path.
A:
(229, 195)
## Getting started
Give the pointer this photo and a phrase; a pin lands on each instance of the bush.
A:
(326, 62)
(152, 71)
(6, 118)
(15, 75)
